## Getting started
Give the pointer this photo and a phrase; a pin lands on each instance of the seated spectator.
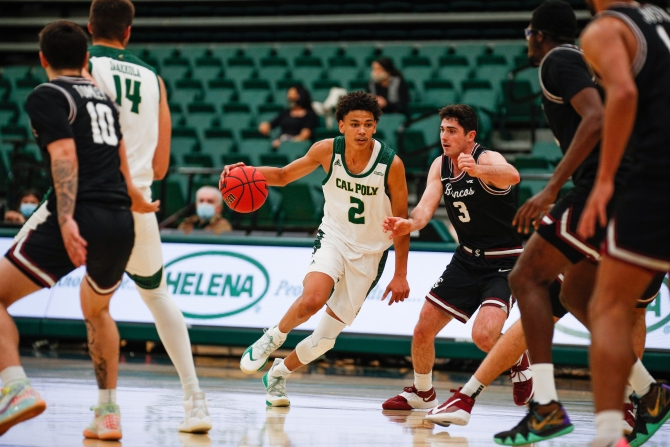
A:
(28, 203)
(389, 86)
(297, 122)
(208, 207)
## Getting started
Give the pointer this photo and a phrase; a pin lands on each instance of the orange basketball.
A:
(244, 189)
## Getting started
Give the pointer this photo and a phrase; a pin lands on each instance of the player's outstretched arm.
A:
(424, 211)
(491, 168)
(65, 175)
(613, 63)
(397, 186)
(589, 106)
(139, 203)
(161, 160)
(319, 154)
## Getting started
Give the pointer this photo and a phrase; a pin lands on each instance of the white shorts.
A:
(355, 275)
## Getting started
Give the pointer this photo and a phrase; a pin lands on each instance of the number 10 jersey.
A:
(481, 214)
(134, 86)
(356, 204)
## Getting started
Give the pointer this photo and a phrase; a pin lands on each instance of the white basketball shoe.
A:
(256, 356)
(276, 388)
(196, 417)
(412, 399)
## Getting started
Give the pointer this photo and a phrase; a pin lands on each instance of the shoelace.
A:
(266, 344)
(410, 389)
(517, 371)
(277, 386)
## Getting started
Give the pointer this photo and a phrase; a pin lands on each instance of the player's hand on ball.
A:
(595, 210)
(226, 171)
(399, 289)
(397, 226)
(75, 245)
(467, 163)
(532, 211)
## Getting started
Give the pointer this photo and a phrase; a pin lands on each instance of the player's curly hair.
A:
(357, 101)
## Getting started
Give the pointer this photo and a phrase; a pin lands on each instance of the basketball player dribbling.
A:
(365, 183)
(628, 45)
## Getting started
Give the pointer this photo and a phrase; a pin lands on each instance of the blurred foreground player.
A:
(365, 183)
(628, 45)
(145, 121)
(477, 188)
(88, 221)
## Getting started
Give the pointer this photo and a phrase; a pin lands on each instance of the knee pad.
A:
(321, 341)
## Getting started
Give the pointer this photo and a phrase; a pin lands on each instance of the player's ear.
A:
(88, 27)
(340, 125)
(43, 61)
(126, 36)
(471, 135)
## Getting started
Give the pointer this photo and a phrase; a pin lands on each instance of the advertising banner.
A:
(251, 286)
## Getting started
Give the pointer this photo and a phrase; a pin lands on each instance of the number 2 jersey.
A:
(135, 88)
(481, 214)
(357, 204)
(72, 107)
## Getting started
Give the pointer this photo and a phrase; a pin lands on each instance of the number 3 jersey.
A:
(135, 88)
(481, 214)
(72, 107)
(356, 204)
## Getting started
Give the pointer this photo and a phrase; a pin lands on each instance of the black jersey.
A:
(73, 107)
(481, 214)
(650, 139)
(564, 73)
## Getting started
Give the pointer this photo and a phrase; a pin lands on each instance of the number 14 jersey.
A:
(481, 214)
(356, 204)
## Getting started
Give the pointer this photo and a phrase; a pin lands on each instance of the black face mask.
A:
(291, 103)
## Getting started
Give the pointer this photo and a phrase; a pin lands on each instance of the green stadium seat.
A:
(485, 99)
(530, 75)
(220, 90)
(362, 53)
(186, 90)
(207, 67)
(23, 87)
(184, 140)
(174, 196)
(321, 88)
(418, 74)
(397, 52)
(433, 52)
(9, 111)
(274, 159)
(485, 131)
(200, 115)
(322, 133)
(471, 51)
(198, 160)
(300, 210)
(388, 125)
(532, 164)
(430, 127)
(258, 52)
(547, 150)
(240, 67)
(342, 61)
(511, 50)
(495, 74)
(344, 74)
(294, 149)
(435, 231)
(359, 84)
(307, 69)
(454, 68)
(415, 61)
(491, 59)
(273, 67)
(175, 66)
(439, 92)
(290, 52)
(255, 92)
(236, 117)
(253, 148)
(13, 132)
(413, 140)
(217, 141)
(514, 111)
(268, 112)
(267, 216)
(224, 52)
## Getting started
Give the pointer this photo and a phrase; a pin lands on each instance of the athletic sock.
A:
(280, 370)
(626, 394)
(608, 428)
(277, 333)
(640, 379)
(107, 396)
(12, 374)
(423, 382)
(173, 333)
(543, 383)
(473, 388)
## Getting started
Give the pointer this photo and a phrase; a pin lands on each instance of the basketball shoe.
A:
(256, 356)
(541, 423)
(522, 380)
(19, 401)
(196, 418)
(412, 399)
(628, 418)
(106, 423)
(653, 409)
(456, 410)
(276, 388)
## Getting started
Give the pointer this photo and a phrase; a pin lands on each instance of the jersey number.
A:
(102, 124)
(465, 216)
(357, 209)
(132, 93)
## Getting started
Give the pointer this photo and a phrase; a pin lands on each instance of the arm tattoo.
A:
(99, 363)
(65, 176)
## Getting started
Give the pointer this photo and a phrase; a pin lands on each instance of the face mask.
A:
(379, 77)
(205, 211)
(26, 209)
(291, 103)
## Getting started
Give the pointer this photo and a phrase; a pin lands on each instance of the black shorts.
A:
(557, 308)
(559, 228)
(109, 233)
(464, 287)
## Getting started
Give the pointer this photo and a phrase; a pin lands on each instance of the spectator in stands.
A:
(208, 207)
(389, 86)
(297, 122)
(28, 203)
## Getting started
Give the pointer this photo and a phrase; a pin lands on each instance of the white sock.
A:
(12, 374)
(106, 396)
(626, 394)
(543, 383)
(608, 428)
(280, 369)
(640, 379)
(473, 388)
(279, 334)
(423, 382)
(172, 331)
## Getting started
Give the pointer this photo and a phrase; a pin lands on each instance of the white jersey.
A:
(134, 86)
(356, 204)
